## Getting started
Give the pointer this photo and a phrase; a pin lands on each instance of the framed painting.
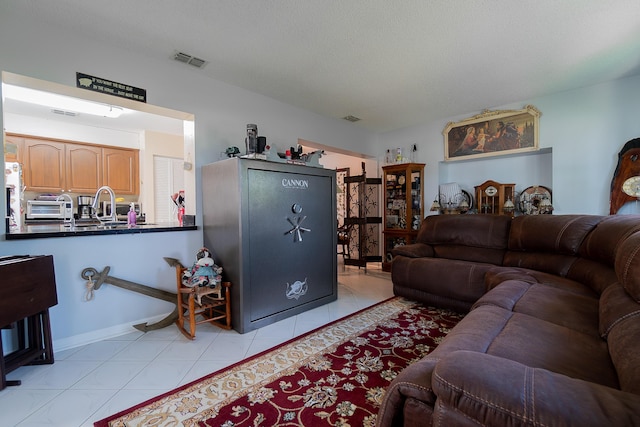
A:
(492, 133)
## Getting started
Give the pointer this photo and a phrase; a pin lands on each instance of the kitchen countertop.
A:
(38, 231)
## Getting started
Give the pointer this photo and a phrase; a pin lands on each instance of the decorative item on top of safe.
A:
(251, 141)
(232, 151)
(204, 272)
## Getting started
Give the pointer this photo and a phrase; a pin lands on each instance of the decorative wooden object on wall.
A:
(628, 167)
(491, 197)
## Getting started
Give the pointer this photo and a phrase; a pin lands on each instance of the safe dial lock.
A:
(296, 224)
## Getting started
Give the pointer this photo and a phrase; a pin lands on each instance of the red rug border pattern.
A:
(105, 422)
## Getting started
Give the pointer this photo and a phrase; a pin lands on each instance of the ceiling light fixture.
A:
(351, 118)
(60, 102)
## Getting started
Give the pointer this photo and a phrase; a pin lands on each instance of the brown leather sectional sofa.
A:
(552, 336)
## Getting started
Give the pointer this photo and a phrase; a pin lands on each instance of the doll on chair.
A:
(204, 275)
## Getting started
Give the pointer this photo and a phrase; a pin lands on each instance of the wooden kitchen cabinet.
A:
(83, 168)
(120, 170)
(56, 166)
(13, 149)
(44, 165)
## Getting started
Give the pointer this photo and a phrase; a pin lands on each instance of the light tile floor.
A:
(91, 382)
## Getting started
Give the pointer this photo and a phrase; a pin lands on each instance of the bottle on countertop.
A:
(131, 216)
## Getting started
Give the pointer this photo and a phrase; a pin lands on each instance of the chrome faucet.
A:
(69, 221)
(112, 200)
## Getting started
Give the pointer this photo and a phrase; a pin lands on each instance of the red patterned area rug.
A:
(335, 375)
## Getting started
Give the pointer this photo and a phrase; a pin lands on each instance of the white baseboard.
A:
(102, 334)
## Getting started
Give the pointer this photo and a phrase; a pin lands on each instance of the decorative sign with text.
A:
(97, 84)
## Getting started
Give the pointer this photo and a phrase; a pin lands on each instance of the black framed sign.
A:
(98, 84)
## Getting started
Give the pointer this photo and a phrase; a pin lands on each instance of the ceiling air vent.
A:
(189, 59)
(351, 118)
(64, 113)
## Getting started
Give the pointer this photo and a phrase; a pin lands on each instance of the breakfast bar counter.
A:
(39, 231)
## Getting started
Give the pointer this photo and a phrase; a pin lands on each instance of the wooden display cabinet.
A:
(491, 197)
(403, 206)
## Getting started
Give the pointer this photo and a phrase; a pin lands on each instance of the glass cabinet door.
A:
(403, 206)
(396, 201)
(403, 197)
(416, 209)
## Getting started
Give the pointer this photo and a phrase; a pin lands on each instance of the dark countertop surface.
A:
(45, 230)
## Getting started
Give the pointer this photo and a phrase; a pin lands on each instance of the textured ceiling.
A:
(391, 63)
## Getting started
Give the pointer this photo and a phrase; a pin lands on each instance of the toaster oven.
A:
(122, 209)
(49, 209)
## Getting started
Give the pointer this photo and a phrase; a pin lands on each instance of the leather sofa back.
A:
(548, 243)
(601, 249)
(460, 236)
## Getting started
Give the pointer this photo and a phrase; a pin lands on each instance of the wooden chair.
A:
(212, 305)
(344, 239)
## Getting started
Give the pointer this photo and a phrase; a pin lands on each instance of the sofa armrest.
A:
(497, 391)
(414, 250)
(412, 383)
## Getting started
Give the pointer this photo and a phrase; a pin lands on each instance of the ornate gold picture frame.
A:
(492, 133)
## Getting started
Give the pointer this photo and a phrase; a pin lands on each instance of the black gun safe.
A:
(272, 228)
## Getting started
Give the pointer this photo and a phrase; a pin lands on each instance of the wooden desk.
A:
(27, 291)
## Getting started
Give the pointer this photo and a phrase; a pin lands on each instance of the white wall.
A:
(35, 49)
(155, 144)
(585, 129)
(17, 123)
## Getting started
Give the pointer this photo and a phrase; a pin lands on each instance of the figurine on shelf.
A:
(204, 272)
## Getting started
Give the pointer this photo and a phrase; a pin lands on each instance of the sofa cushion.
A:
(620, 325)
(533, 342)
(421, 279)
(467, 253)
(559, 306)
(628, 265)
(497, 275)
(415, 250)
(478, 389)
(616, 305)
(624, 347)
(595, 275)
